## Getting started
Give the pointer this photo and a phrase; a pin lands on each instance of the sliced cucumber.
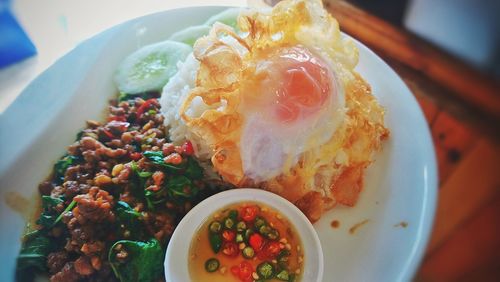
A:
(190, 34)
(229, 17)
(150, 68)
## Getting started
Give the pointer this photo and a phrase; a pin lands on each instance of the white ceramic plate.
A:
(400, 186)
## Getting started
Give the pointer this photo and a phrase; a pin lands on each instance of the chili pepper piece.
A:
(212, 264)
(256, 241)
(215, 241)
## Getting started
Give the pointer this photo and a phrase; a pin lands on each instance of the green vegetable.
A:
(248, 232)
(179, 187)
(193, 169)
(143, 264)
(283, 275)
(248, 252)
(144, 174)
(229, 223)
(264, 230)
(228, 17)
(241, 226)
(48, 217)
(283, 255)
(265, 270)
(259, 221)
(215, 241)
(233, 214)
(177, 184)
(212, 264)
(34, 252)
(273, 234)
(130, 218)
(150, 67)
(190, 34)
(151, 198)
(239, 238)
(215, 227)
(155, 198)
(282, 258)
(68, 208)
(139, 180)
(79, 135)
(125, 212)
(141, 174)
(157, 157)
(62, 165)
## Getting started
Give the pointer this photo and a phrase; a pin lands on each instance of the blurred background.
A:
(447, 52)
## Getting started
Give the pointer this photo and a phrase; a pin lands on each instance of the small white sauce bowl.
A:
(177, 257)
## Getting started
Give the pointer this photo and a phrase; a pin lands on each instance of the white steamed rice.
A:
(173, 95)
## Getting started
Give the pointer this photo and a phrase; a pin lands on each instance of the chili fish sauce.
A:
(246, 242)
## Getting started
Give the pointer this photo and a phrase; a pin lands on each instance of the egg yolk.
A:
(304, 86)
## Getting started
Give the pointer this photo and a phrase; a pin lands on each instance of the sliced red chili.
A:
(243, 271)
(187, 148)
(249, 213)
(235, 270)
(135, 156)
(228, 235)
(256, 241)
(262, 255)
(230, 249)
(108, 133)
(145, 106)
(117, 118)
(270, 250)
(246, 271)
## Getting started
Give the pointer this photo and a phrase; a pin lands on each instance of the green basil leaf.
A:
(176, 187)
(62, 165)
(34, 252)
(48, 216)
(143, 264)
(130, 218)
(157, 157)
(193, 169)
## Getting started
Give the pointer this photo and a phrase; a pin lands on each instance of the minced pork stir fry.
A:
(112, 202)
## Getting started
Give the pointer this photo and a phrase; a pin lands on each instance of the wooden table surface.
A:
(462, 107)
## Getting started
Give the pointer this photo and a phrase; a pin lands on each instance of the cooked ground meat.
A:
(67, 274)
(118, 181)
(95, 206)
(56, 261)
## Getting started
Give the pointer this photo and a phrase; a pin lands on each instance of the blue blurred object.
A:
(14, 43)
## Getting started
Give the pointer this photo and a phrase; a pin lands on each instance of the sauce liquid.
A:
(200, 250)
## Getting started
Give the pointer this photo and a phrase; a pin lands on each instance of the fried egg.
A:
(282, 107)
(292, 104)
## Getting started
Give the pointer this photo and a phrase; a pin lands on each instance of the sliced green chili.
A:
(215, 227)
(265, 270)
(248, 252)
(212, 264)
(241, 226)
(283, 275)
(215, 241)
(229, 223)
